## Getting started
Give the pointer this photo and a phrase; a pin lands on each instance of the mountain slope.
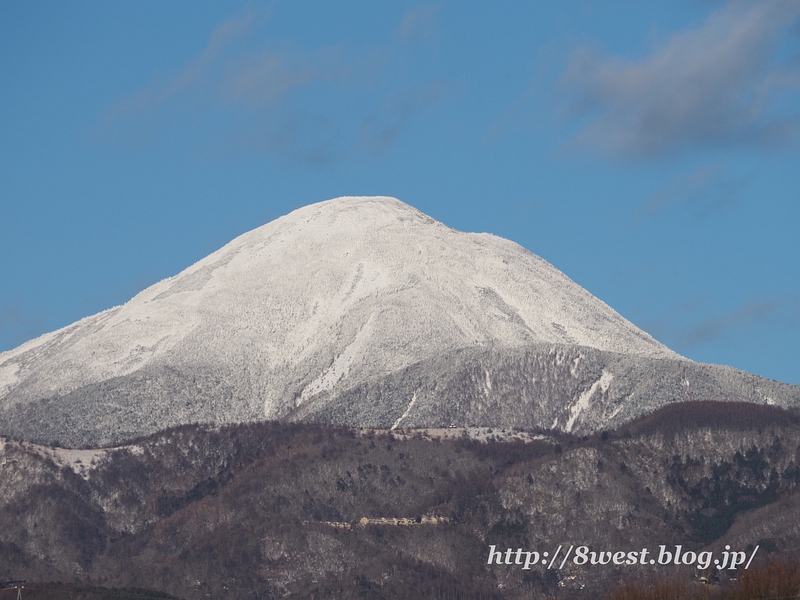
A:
(290, 320)
(275, 510)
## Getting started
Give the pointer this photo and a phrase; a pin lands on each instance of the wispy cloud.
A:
(763, 312)
(381, 128)
(8, 315)
(718, 84)
(417, 22)
(705, 191)
(305, 105)
(16, 327)
(753, 311)
(157, 93)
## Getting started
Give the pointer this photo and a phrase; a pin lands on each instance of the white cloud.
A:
(304, 105)
(715, 85)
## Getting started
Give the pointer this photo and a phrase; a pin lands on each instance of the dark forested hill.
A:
(268, 510)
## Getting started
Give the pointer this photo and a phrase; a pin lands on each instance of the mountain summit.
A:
(360, 311)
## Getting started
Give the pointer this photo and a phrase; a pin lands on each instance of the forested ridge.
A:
(272, 509)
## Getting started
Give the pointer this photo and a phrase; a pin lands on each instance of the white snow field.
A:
(283, 320)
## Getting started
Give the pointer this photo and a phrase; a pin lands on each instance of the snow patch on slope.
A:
(340, 367)
(8, 377)
(406, 411)
(584, 399)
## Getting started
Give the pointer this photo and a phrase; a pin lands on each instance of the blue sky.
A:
(649, 150)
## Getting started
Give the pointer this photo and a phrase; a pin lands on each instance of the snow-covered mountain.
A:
(358, 311)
